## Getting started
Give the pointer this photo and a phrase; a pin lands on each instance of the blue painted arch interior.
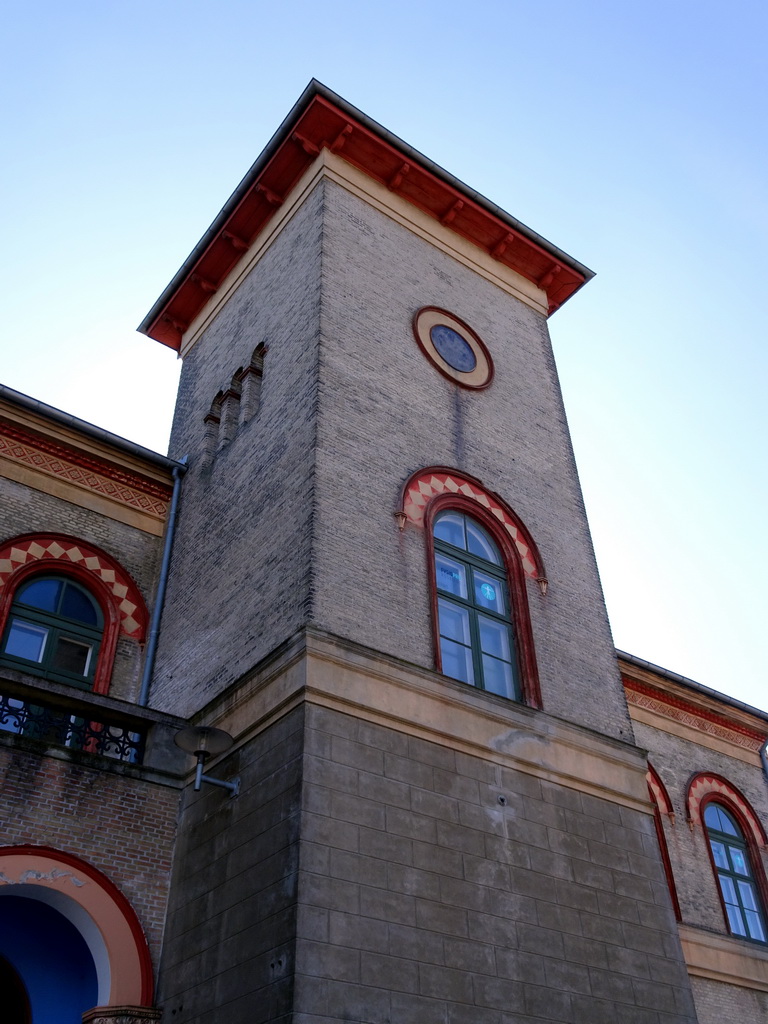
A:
(51, 958)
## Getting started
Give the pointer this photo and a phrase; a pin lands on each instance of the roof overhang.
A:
(322, 120)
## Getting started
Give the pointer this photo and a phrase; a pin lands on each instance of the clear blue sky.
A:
(631, 135)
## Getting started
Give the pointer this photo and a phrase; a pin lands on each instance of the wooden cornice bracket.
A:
(272, 197)
(202, 282)
(177, 325)
(309, 147)
(341, 138)
(234, 241)
(450, 214)
(498, 250)
(549, 277)
(397, 178)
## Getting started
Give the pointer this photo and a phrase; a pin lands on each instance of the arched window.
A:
(735, 874)
(54, 629)
(474, 614)
(482, 561)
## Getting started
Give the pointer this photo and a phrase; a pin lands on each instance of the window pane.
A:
(494, 637)
(711, 817)
(480, 544)
(735, 920)
(454, 622)
(497, 676)
(42, 594)
(729, 890)
(77, 605)
(755, 926)
(489, 592)
(716, 818)
(71, 656)
(457, 661)
(747, 894)
(451, 576)
(738, 861)
(450, 528)
(26, 641)
(718, 852)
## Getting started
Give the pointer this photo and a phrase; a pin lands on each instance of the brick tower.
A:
(383, 587)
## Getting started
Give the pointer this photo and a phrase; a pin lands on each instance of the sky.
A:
(633, 136)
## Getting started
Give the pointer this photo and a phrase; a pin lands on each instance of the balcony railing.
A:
(75, 727)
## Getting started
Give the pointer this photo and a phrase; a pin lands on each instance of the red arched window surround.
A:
(663, 805)
(442, 489)
(708, 787)
(120, 600)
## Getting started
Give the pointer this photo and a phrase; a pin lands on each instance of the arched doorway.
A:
(47, 957)
(76, 928)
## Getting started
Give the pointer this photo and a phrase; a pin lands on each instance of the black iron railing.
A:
(78, 728)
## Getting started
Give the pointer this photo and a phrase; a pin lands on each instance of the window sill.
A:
(725, 958)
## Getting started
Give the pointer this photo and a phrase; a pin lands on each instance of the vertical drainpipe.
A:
(157, 611)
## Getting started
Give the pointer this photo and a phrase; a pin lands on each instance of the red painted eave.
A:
(322, 120)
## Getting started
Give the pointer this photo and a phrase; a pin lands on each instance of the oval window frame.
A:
(432, 316)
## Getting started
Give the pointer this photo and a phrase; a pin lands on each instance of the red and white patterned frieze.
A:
(422, 489)
(61, 550)
(57, 461)
(687, 714)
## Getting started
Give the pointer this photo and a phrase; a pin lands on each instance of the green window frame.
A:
(735, 875)
(54, 630)
(474, 615)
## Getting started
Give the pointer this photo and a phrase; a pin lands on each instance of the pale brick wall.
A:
(717, 1003)
(676, 760)
(265, 546)
(385, 412)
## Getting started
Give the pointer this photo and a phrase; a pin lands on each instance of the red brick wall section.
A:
(123, 826)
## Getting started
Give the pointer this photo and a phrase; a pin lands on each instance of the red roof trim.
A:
(322, 124)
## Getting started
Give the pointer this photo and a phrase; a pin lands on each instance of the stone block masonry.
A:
(422, 897)
(370, 875)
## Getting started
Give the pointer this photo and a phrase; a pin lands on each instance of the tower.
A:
(384, 588)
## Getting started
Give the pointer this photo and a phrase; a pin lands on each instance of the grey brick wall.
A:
(23, 510)
(240, 577)
(422, 898)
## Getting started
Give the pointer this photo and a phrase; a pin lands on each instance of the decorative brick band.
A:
(708, 786)
(58, 550)
(122, 1015)
(427, 484)
(57, 460)
(643, 696)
